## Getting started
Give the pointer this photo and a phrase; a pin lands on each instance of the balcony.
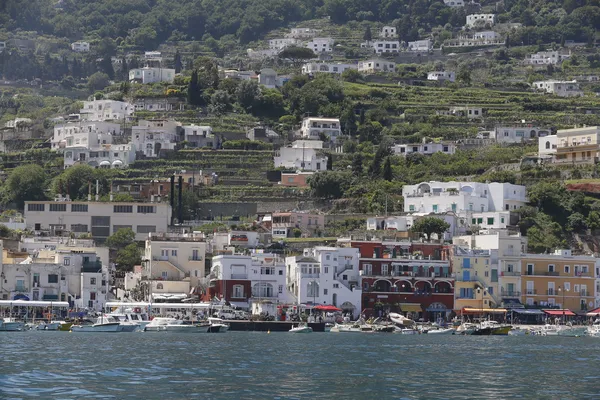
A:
(530, 292)
(465, 297)
(552, 273)
(584, 293)
(508, 293)
(21, 288)
(160, 258)
(92, 266)
(239, 276)
(196, 258)
(552, 292)
(511, 273)
(310, 275)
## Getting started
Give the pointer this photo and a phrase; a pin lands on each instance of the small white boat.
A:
(401, 320)
(217, 325)
(49, 326)
(329, 326)
(132, 318)
(441, 331)
(161, 324)
(406, 331)
(301, 328)
(594, 330)
(517, 332)
(11, 325)
(466, 328)
(103, 324)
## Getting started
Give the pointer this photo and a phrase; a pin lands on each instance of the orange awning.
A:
(484, 310)
(559, 313)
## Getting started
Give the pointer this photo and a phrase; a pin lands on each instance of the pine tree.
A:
(357, 164)
(387, 170)
(107, 67)
(193, 94)
(124, 69)
(368, 36)
(177, 62)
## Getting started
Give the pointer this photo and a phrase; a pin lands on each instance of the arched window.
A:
(548, 144)
(159, 286)
(262, 289)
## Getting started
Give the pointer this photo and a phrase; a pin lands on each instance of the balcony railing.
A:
(508, 293)
(511, 273)
(551, 273)
(196, 258)
(239, 276)
(584, 293)
(21, 288)
(529, 292)
(551, 292)
(466, 297)
(310, 275)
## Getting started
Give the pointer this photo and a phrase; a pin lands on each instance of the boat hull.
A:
(116, 327)
(12, 326)
(218, 328)
(129, 327)
(187, 328)
(301, 330)
(448, 331)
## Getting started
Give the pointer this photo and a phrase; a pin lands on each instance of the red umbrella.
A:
(327, 308)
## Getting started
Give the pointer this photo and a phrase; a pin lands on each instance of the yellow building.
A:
(579, 145)
(558, 279)
(476, 278)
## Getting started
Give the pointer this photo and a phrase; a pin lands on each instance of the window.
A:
(35, 207)
(174, 253)
(164, 274)
(146, 209)
(312, 289)
(280, 271)
(336, 285)
(567, 286)
(123, 209)
(116, 228)
(325, 291)
(584, 269)
(550, 267)
(326, 270)
(384, 269)
(58, 207)
(490, 221)
(92, 281)
(159, 286)
(52, 278)
(280, 288)
(410, 207)
(67, 262)
(146, 229)
(567, 269)
(92, 296)
(238, 291)
(79, 208)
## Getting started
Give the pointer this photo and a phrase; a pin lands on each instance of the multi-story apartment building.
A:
(282, 43)
(579, 145)
(302, 155)
(560, 279)
(326, 275)
(321, 45)
(313, 126)
(106, 110)
(388, 32)
(518, 134)
(415, 276)
(88, 134)
(477, 278)
(99, 219)
(420, 45)
(458, 197)
(173, 264)
(548, 57)
(548, 145)
(559, 88)
(199, 136)
(150, 137)
(104, 156)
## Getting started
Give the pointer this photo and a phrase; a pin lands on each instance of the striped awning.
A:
(484, 310)
(411, 307)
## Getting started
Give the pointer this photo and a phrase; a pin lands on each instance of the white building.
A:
(321, 45)
(152, 136)
(437, 197)
(547, 145)
(98, 218)
(559, 88)
(460, 111)
(510, 134)
(104, 156)
(454, 3)
(302, 155)
(313, 126)
(383, 46)
(420, 45)
(268, 78)
(327, 68)
(376, 65)
(480, 20)
(388, 32)
(87, 134)
(199, 136)
(174, 264)
(282, 43)
(326, 275)
(152, 75)
(223, 240)
(441, 76)
(153, 56)
(158, 104)
(106, 110)
(486, 35)
(547, 57)
(424, 148)
(80, 47)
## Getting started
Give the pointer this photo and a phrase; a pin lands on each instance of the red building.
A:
(235, 291)
(412, 278)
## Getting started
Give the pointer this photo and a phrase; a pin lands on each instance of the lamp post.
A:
(562, 290)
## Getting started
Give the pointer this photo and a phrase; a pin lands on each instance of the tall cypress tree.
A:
(177, 62)
(193, 93)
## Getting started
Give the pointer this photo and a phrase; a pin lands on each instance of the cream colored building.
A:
(579, 145)
(476, 278)
(174, 264)
(101, 219)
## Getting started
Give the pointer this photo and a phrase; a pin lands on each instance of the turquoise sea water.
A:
(249, 365)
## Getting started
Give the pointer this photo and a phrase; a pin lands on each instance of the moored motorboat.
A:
(466, 328)
(103, 324)
(384, 328)
(11, 325)
(217, 325)
(52, 325)
(518, 332)
(161, 324)
(301, 328)
(406, 331)
(441, 331)
(329, 326)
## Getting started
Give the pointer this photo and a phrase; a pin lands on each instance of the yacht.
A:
(217, 325)
(103, 324)
(53, 325)
(301, 328)
(492, 328)
(160, 324)
(594, 330)
(131, 318)
(440, 331)
(466, 328)
(11, 325)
